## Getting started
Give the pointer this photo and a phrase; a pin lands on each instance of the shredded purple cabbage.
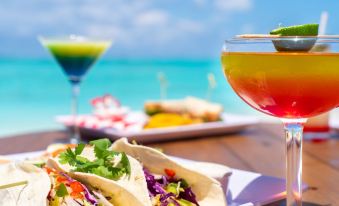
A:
(67, 177)
(164, 180)
(188, 195)
(168, 198)
(150, 183)
(89, 197)
(156, 187)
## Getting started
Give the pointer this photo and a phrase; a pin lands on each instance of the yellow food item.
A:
(169, 120)
(194, 107)
(4, 160)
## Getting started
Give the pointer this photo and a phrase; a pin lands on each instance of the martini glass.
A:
(75, 55)
(291, 85)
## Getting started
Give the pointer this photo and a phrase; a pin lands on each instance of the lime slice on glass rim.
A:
(297, 30)
(296, 44)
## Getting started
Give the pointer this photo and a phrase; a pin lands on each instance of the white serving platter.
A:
(230, 124)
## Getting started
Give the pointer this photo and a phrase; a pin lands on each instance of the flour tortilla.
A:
(208, 191)
(32, 194)
(127, 191)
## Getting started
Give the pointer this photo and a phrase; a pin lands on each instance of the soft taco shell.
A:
(128, 191)
(208, 191)
(34, 193)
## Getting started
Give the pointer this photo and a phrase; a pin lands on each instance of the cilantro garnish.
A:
(79, 149)
(100, 147)
(125, 163)
(62, 190)
(104, 165)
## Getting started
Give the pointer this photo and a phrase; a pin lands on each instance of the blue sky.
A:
(152, 28)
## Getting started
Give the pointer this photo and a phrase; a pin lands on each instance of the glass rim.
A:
(269, 38)
(73, 38)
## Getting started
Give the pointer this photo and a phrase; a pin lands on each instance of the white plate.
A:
(244, 187)
(230, 124)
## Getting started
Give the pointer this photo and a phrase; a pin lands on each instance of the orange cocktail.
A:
(285, 84)
(284, 77)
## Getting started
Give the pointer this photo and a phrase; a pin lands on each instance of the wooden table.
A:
(258, 149)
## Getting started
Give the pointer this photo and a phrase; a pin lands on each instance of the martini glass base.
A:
(65, 137)
(75, 139)
(75, 133)
(293, 135)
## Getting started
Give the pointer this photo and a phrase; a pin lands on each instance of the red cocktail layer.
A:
(286, 85)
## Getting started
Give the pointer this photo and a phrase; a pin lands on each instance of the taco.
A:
(153, 179)
(117, 176)
(24, 185)
(170, 183)
(66, 191)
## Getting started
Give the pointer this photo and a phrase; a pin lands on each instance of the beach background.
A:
(183, 40)
(31, 100)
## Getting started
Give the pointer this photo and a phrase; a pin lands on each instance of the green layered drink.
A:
(76, 55)
(76, 58)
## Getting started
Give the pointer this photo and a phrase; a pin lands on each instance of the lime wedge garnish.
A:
(297, 30)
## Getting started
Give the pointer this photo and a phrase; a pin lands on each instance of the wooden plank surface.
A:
(258, 149)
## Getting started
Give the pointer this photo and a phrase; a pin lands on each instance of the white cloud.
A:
(152, 18)
(233, 5)
(128, 22)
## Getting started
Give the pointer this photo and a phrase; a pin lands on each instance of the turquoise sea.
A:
(34, 91)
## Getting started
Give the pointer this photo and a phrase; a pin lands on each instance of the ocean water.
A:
(34, 91)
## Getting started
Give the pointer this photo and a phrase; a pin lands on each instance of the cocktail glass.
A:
(289, 85)
(75, 55)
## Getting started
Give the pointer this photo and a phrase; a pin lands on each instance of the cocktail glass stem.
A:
(294, 135)
(75, 134)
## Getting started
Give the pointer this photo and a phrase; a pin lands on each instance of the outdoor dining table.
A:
(260, 149)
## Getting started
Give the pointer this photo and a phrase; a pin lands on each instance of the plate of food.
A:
(106, 174)
(123, 174)
(159, 121)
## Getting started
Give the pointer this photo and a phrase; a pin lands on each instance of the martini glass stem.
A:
(75, 135)
(294, 134)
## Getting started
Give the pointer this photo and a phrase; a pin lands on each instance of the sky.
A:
(151, 28)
